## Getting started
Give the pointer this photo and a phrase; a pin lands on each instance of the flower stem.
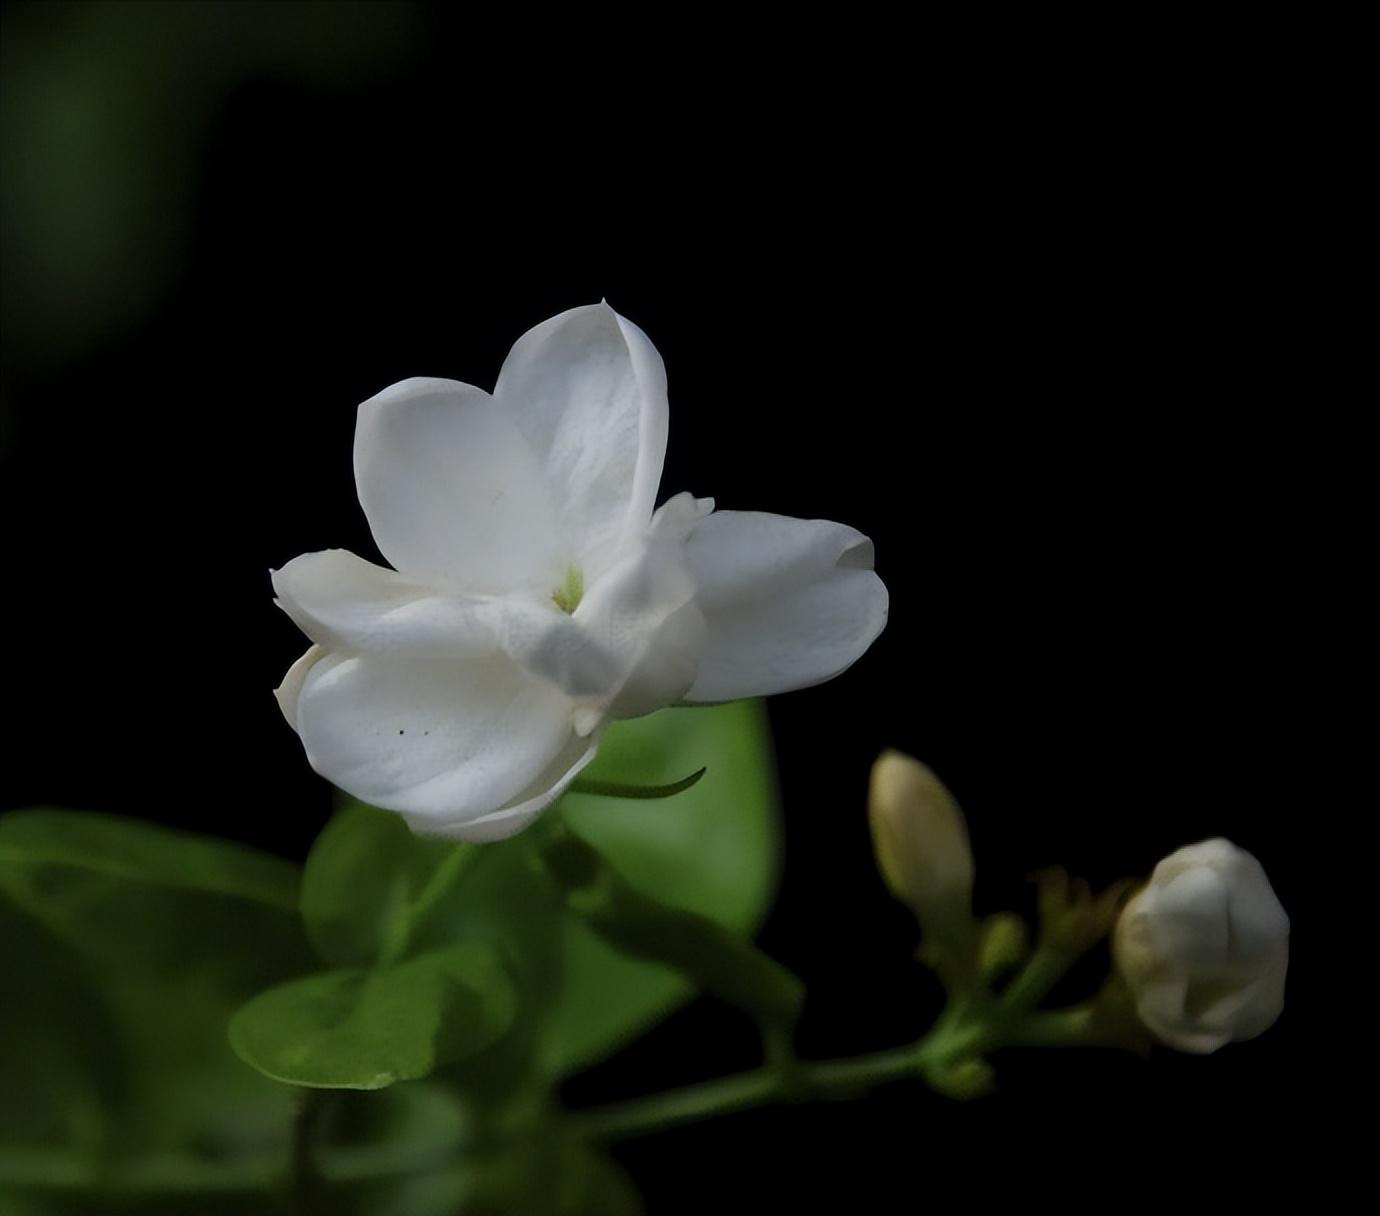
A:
(961, 1033)
(676, 1106)
(1053, 1028)
(408, 917)
(457, 861)
(841, 1078)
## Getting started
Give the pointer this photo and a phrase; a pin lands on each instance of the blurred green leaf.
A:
(404, 1129)
(53, 1030)
(146, 898)
(108, 1202)
(126, 947)
(407, 1150)
(135, 851)
(403, 1151)
(540, 1173)
(550, 1175)
(594, 1185)
(356, 1029)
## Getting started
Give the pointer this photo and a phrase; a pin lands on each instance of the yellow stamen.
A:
(568, 595)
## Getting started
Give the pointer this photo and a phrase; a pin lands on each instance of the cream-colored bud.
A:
(1203, 948)
(920, 837)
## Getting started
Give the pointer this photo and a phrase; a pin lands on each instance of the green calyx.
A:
(568, 595)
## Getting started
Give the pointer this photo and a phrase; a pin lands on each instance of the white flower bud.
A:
(920, 837)
(1203, 948)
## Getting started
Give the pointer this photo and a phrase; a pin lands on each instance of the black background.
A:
(1052, 310)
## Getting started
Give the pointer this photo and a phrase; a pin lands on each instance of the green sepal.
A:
(1003, 944)
(1072, 918)
(618, 789)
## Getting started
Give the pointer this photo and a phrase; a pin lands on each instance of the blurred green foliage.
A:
(104, 107)
(125, 949)
(135, 956)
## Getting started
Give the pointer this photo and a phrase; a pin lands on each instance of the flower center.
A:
(572, 589)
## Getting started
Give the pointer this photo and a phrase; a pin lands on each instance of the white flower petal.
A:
(588, 390)
(643, 612)
(511, 819)
(789, 602)
(1190, 918)
(675, 519)
(343, 602)
(1260, 1003)
(1162, 1006)
(631, 646)
(291, 688)
(436, 740)
(452, 491)
(552, 646)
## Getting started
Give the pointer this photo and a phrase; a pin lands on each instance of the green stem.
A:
(960, 1033)
(406, 916)
(842, 1078)
(459, 859)
(1053, 1028)
(677, 1106)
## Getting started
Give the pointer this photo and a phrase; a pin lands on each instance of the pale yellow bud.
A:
(920, 838)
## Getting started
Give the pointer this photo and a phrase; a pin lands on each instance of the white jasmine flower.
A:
(536, 595)
(1203, 948)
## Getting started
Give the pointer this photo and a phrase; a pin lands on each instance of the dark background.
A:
(1057, 311)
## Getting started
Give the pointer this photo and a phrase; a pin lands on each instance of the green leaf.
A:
(369, 881)
(714, 850)
(615, 789)
(355, 1029)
